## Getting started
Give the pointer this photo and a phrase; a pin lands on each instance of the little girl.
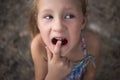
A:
(61, 49)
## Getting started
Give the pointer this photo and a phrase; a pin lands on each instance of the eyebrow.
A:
(69, 9)
(47, 10)
(50, 11)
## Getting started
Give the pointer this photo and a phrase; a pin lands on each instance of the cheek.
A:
(42, 27)
(77, 24)
(76, 29)
(75, 32)
(43, 31)
(40, 23)
(45, 38)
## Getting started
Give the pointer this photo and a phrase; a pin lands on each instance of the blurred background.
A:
(15, 58)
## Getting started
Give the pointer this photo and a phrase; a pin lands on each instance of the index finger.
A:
(57, 50)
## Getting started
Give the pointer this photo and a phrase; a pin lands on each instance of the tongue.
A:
(64, 41)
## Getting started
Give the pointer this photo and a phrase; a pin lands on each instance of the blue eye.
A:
(48, 17)
(69, 16)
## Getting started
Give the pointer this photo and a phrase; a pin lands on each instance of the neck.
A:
(76, 54)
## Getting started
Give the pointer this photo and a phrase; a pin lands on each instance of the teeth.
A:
(60, 39)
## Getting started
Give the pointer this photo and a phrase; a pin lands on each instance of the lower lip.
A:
(61, 44)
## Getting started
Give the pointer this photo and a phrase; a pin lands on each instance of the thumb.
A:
(49, 54)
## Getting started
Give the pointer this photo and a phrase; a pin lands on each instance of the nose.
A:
(58, 25)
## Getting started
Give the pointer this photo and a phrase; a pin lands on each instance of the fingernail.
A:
(46, 48)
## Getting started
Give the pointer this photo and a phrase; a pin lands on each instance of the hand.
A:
(58, 67)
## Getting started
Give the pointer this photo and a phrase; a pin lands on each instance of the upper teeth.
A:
(60, 39)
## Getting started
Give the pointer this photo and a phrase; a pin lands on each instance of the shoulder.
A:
(93, 42)
(37, 47)
(93, 48)
(40, 64)
(36, 41)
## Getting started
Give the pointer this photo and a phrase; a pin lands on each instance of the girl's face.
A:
(60, 20)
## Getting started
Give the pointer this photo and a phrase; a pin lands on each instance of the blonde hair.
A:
(33, 28)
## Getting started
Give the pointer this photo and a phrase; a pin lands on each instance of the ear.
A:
(84, 22)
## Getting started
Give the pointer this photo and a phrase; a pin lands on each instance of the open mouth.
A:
(63, 40)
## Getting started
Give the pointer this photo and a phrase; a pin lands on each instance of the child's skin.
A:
(61, 19)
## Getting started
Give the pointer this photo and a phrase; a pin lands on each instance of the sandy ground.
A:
(15, 57)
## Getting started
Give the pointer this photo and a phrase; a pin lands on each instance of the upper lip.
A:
(59, 37)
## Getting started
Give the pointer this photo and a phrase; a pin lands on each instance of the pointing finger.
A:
(57, 50)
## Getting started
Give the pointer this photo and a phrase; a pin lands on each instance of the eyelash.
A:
(48, 17)
(70, 16)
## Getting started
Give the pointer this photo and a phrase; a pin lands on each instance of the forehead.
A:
(73, 1)
(59, 3)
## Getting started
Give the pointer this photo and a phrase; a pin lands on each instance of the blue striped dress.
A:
(79, 68)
